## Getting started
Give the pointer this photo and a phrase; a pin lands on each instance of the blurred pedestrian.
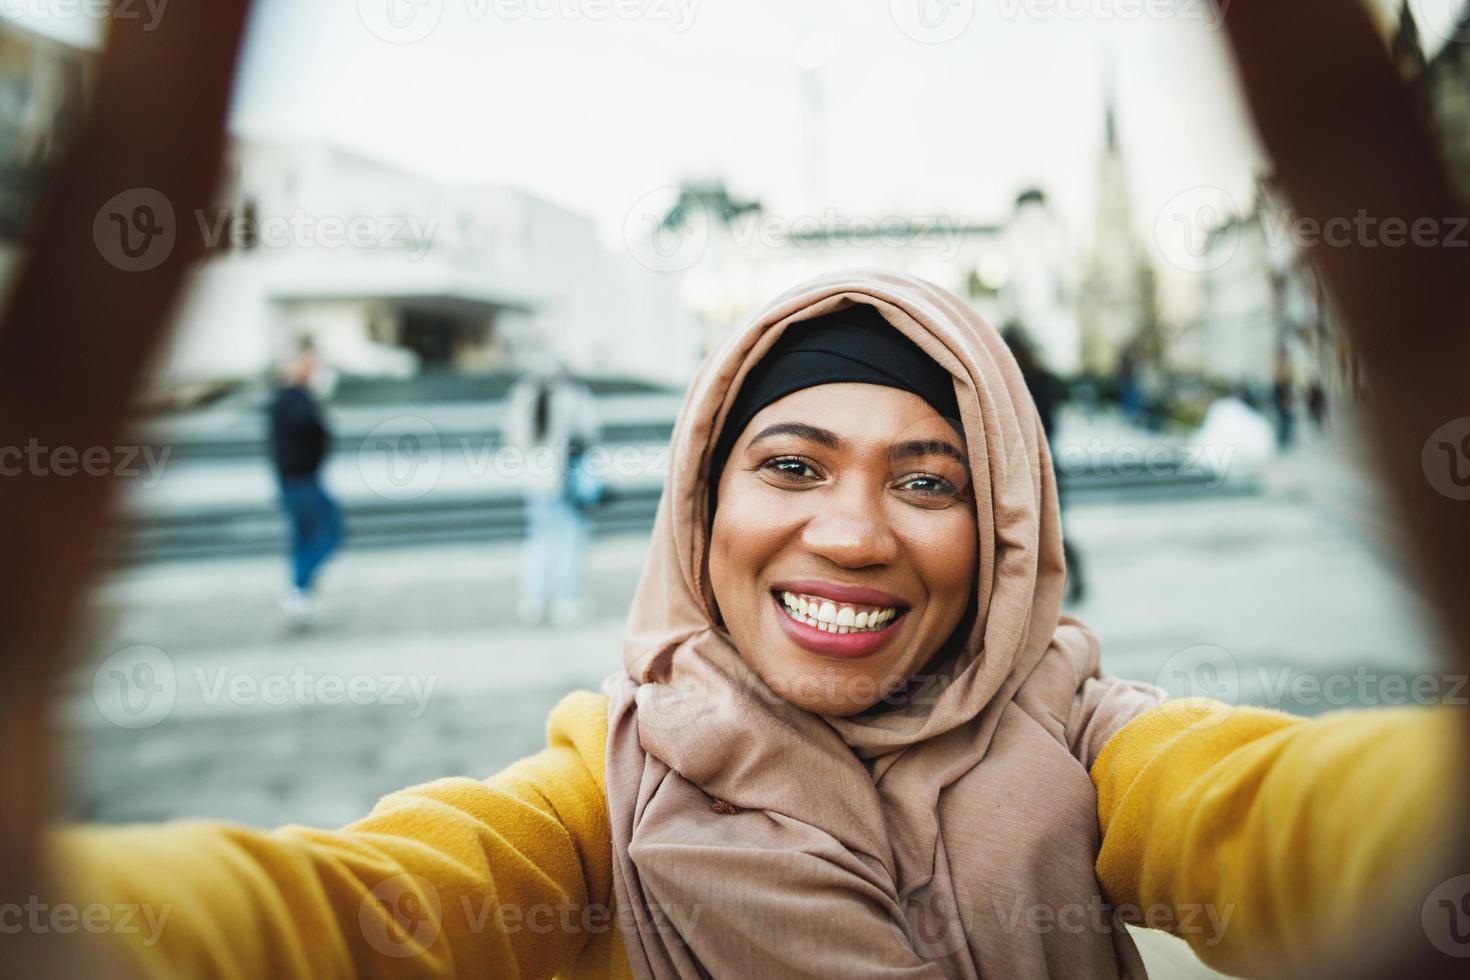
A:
(1130, 388)
(1283, 399)
(299, 444)
(1047, 391)
(1317, 406)
(551, 420)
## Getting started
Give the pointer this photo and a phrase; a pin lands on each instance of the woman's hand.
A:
(1348, 137)
(83, 319)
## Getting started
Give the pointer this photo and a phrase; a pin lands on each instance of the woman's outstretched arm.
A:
(1267, 841)
(504, 877)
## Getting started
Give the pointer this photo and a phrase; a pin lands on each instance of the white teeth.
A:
(831, 618)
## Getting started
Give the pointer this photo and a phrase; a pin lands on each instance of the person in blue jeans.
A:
(299, 444)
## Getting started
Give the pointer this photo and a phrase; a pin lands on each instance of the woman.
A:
(852, 735)
(548, 414)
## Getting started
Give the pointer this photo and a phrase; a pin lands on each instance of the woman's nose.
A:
(851, 530)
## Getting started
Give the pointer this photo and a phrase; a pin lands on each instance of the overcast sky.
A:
(945, 106)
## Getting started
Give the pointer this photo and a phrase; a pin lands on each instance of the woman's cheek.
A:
(945, 551)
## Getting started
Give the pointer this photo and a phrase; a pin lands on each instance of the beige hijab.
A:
(951, 835)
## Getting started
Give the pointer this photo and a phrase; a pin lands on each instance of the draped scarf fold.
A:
(950, 834)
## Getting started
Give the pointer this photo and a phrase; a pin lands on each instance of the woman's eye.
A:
(932, 486)
(789, 467)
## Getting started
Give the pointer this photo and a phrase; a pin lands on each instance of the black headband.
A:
(852, 344)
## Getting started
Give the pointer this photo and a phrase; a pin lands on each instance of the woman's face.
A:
(853, 503)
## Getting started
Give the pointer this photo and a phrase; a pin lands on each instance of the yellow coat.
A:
(1256, 836)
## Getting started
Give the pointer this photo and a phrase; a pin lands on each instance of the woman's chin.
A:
(826, 688)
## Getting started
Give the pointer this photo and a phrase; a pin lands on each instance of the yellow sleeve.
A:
(1262, 838)
(499, 878)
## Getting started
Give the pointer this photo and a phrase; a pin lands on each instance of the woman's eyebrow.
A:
(830, 439)
(928, 447)
(802, 430)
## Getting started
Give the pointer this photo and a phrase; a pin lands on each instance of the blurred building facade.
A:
(391, 273)
(1260, 301)
(1040, 292)
(739, 255)
(45, 76)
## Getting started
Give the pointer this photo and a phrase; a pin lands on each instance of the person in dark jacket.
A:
(299, 444)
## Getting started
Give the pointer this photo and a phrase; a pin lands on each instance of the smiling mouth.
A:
(837, 618)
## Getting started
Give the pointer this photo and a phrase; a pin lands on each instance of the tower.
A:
(1117, 307)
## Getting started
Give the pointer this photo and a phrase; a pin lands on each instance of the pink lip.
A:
(843, 645)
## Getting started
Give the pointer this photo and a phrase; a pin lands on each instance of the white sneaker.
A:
(532, 613)
(569, 612)
(299, 608)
